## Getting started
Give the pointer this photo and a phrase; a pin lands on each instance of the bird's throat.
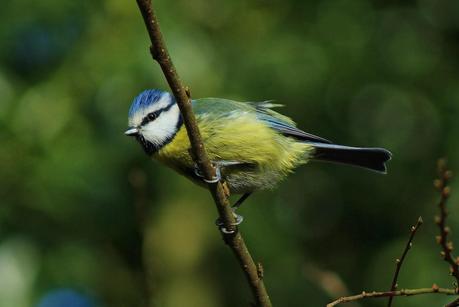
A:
(151, 148)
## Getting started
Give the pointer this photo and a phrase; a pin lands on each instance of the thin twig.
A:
(404, 292)
(235, 240)
(447, 247)
(444, 176)
(399, 261)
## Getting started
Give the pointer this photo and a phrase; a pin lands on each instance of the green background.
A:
(86, 218)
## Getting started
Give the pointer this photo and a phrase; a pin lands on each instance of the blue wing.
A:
(283, 124)
(264, 113)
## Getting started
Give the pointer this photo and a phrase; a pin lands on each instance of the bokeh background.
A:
(86, 219)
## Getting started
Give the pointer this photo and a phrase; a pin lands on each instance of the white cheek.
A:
(163, 128)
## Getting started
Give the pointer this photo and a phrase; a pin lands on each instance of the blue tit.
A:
(254, 146)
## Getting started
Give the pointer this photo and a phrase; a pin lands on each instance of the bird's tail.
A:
(369, 158)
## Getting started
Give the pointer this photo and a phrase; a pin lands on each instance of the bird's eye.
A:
(151, 116)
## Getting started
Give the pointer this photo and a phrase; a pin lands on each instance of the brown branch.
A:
(404, 292)
(235, 240)
(399, 261)
(444, 176)
(447, 247)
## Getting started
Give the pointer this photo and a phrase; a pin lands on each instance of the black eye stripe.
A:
(154, 115)
(150, 117)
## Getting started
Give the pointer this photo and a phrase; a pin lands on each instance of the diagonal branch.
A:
(234, 240)
(441, 184)
(399, 261)
(393, 289)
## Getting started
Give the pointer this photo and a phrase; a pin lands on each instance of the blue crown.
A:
(145, 99)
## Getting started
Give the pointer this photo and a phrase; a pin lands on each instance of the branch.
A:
(441, 184)
(447, 246)
(404, 292)
(393, 288)
(399, 262)
(235, 240)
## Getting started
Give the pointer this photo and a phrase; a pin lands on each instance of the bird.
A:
(252, 146)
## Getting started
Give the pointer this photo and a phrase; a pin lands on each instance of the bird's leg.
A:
(239, 218)
(239, 202)
(217, 178)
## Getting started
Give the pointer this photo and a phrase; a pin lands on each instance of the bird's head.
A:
(154, 119)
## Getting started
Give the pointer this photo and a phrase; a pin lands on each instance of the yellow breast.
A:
(242, 139)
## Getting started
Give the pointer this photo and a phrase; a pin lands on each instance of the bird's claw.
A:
(239, 219)
(217, 177)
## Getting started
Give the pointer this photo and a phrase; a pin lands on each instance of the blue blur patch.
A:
(66, 298)
(145, 99)
(34, 49)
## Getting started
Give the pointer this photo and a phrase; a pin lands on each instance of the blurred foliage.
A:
(81, 205)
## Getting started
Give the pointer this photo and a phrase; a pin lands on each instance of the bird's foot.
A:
(217, 177)
(221, 224)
